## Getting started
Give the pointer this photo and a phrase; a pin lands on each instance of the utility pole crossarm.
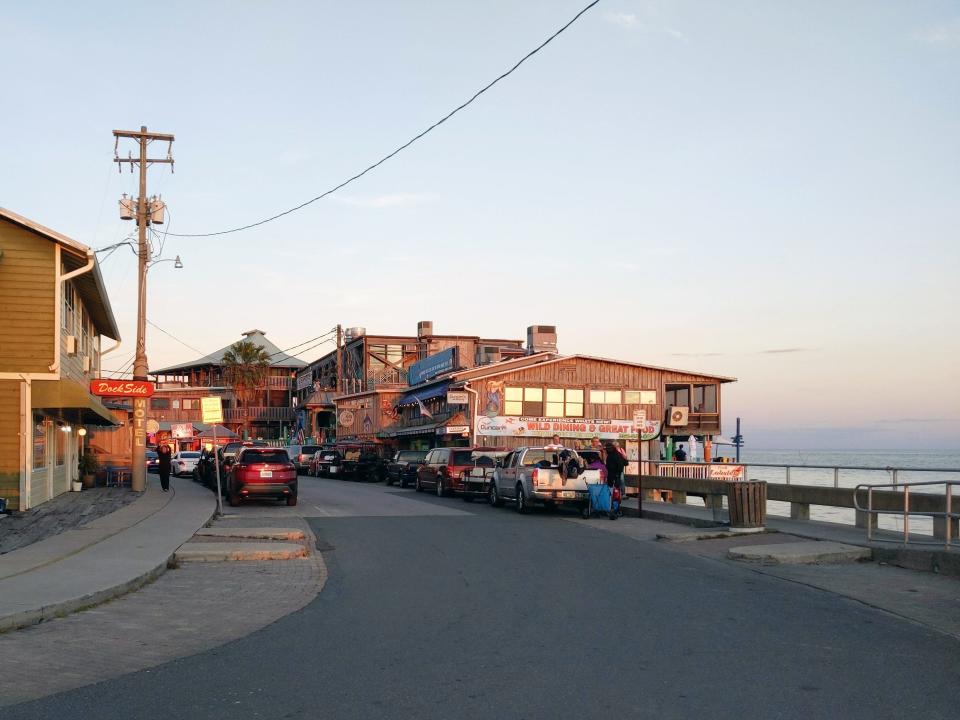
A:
(137, 134)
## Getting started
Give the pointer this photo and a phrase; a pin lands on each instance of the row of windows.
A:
(569, 402)
(699, 397)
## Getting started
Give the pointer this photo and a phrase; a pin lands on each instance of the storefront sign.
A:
(181, 430)
(304, 379)
(453, 430)
(605, 429)
(211, 408)
(458, 397)
(430, 367)
(122, 388)
(639, 417)
(346, 418)
(721, 471)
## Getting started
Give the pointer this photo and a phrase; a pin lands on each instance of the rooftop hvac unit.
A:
(487, 354)
(541, 338)
(678, 415)
(354, 333)
(425, 328)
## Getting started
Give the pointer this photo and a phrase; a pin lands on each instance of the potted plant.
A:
(88, 468)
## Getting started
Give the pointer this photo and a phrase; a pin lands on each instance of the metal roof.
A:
(278, 358)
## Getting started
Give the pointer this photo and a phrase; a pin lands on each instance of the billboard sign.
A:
(433, 365)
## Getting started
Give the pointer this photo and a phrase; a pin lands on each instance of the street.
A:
(435, 608)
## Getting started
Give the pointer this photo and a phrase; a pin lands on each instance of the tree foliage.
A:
(246, 366)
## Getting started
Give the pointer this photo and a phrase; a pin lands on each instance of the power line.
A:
(283, 352)
(402, 147)
(171, 335)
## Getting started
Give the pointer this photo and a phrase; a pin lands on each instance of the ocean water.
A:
(927, 462)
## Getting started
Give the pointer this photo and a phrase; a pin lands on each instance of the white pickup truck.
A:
(530, 476)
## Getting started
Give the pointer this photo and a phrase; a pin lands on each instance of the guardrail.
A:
(879, 501)
(948, 520)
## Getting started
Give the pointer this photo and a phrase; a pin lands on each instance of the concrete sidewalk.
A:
(108, 557)
(886, 547)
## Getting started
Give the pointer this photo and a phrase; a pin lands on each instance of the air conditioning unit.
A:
(71, 345)
(86, 363)
(488, 354)
(678, 415)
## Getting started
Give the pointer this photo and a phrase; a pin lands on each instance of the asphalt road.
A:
(439, 609)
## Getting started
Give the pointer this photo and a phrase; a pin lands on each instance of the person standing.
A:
(163, 466)
(616, 462)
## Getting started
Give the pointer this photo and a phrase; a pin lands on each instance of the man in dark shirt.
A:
(680, 455)
(616, 462)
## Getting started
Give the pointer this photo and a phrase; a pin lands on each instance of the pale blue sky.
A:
(690, 184)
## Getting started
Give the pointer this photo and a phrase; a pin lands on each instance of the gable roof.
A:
(278, 358)
(89, 285)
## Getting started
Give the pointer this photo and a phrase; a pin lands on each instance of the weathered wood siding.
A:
(372, 412)
(589, 374)
(10, 442)
(27, 300)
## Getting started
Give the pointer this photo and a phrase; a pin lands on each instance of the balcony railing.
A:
(259, 414)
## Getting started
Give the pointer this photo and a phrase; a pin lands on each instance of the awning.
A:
(222, 432)
(65, 395)
(429, 429)
(426, 393)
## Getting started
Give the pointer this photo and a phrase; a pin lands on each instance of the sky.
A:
(765, 190)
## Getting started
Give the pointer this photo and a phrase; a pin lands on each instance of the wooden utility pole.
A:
(339, 359)
(143, 139)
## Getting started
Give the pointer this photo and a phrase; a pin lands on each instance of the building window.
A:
(704, 398)
(157, 403)
(68, 305)
(39, 443)
(564, 402)
(527, 401)
(699, 397)
(61, 447)
(606, 397)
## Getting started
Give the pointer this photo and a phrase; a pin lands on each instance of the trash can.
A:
(747, 502)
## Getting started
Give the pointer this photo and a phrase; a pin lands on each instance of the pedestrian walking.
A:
(163, 466)
(616, 462)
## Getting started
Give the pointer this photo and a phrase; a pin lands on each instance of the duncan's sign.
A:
(122, 388)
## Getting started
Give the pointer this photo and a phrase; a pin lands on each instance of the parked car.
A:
(300, 455)
(183, 462)
(329, 463)
(153, 461)
(205, 470)
(402, 467)
(531, 475)
(442, 468)
(361, 461)
(262, 472)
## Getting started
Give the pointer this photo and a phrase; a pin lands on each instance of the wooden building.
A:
(383, 361)
(55, 310)
(528, 399)
(271, 414)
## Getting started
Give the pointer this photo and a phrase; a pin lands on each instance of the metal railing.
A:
(697, 469)
(947, 515)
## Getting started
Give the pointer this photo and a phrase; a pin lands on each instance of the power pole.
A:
(339, 359)
(143, 139)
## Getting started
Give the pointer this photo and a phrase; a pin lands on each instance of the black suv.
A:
(402, 468)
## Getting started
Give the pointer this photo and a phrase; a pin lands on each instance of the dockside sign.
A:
(122, 388)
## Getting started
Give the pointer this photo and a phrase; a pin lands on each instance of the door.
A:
(423, 472)
(508, 478)
(440, 459)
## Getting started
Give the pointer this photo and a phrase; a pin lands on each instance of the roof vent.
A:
(248, 333)
(424, 328)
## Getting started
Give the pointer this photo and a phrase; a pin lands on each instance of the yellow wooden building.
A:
(54, 311)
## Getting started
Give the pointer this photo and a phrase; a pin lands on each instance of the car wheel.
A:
(232, 499)
(403, 484)
(291, 501)
(440, 491)
(419, 487)
(493, 497)
(521, 502)
(389, 481)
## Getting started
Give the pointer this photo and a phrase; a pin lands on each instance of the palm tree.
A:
(245, 367)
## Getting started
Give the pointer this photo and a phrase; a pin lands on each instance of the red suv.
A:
(443, 468)
(262, 472)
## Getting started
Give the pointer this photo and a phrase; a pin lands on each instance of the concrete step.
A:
(256, 533)
(800, 553)
(694, 535)
(219, 552)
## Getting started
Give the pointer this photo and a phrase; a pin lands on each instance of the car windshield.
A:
(232, 448)
(411, 456)
(189, 455)
(270, 455)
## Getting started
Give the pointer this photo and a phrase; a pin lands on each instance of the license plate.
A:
(333, 471)
(266, 473)
(568, 494)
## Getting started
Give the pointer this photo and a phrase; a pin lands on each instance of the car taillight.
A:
(535, 477)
